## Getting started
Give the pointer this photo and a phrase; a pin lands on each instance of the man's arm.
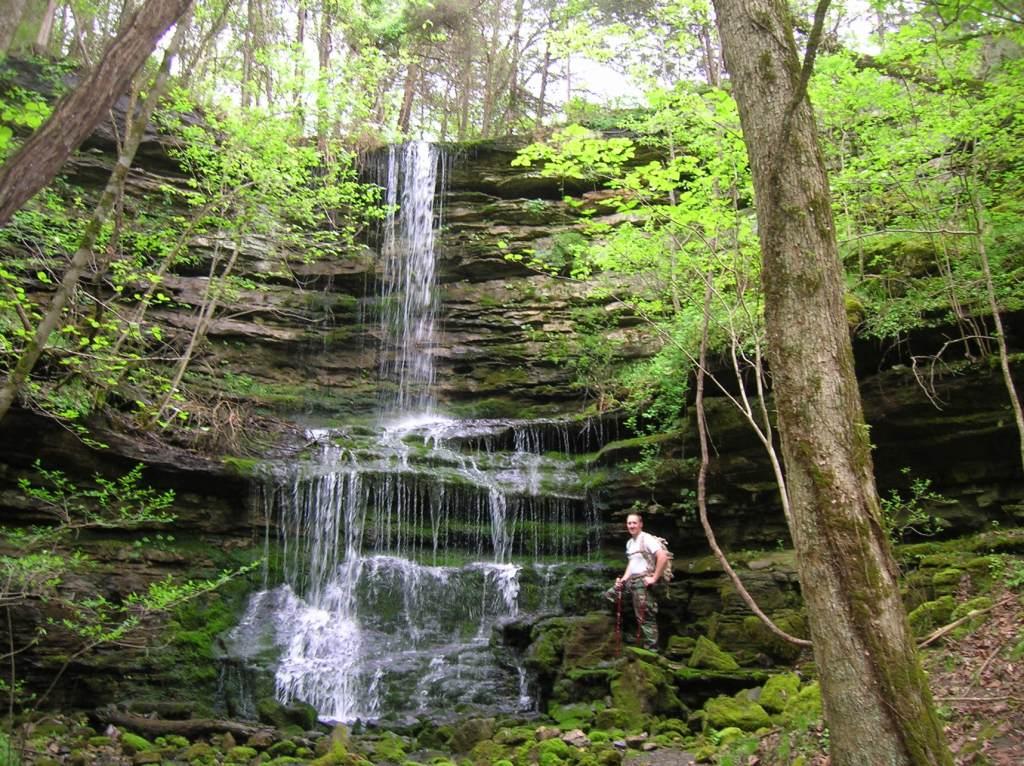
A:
(625, 576)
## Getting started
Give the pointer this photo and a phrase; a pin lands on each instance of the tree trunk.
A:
(191, 728)
(324, 49)
(298, 92)
(709, 51)
(412, 74)
(248, 53)
(512, 108)
(997, 317)
(545, 72)
(10, 20)
(46, 28)
(875, 695)
(75, 116)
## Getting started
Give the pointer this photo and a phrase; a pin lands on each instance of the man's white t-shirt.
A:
(636, 547)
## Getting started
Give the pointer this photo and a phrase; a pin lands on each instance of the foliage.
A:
(910, 152)
(682, 239)
(903, 516)
(1009, 570)
(118, 503)
(19, 109)
(48, 556)
(248, 177)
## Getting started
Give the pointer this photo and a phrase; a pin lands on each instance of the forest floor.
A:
(977, 681)
(978, 684)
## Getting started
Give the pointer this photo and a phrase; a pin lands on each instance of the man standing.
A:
(646, 561)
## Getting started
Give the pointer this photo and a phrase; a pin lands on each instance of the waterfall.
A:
(396, 549)
(408, 301)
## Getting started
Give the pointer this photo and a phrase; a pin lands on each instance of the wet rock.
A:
(576, 738)
(471, 731)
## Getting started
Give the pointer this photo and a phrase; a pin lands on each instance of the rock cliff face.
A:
(304, 349)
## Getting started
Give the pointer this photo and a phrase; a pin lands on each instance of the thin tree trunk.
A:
(298, 94)
(199, 331)
(997, 319)
(46, 28)
(10, 20)
(702, 472)
(711, 57)
(324, 49)
(512, 105)
(875, 696)
(79, 262)
(544, 74)
(74, 117)
(408, 95)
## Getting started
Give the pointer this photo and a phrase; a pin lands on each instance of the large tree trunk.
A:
(75, 116)
(876, 698)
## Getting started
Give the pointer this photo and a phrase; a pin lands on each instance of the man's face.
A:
(634, 525)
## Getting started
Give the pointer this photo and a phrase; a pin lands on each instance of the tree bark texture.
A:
(74, 117)
(875, 696)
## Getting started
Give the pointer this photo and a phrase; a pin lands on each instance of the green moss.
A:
(544, 655)
(779, 691)
(240, 754)
(242, 466)
(679, 647)
(390, 747)
(707, 655)
(759, 636)
(487, 753)
(133, 743)
(572, 716)
(643, 689)
(947, 579)
(805, 707)
(931, 615)
(744, 713)
(471, 731)
(551, 749)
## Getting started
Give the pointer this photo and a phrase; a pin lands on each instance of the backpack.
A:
(666, 575)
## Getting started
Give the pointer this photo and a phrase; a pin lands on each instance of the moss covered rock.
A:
(133, 743)
(740, 712)
(643, 689)
(240, 754)
(805, 707)
(931, 615)
(707, 654)
(779, 691)
(946, 580)
(791, 621)
(471, 731)
(679, 647)
(297, 714)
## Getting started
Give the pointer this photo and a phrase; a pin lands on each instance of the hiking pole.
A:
(618, 621)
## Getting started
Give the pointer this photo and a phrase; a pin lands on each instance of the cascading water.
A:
(408, 304)
(400, 547)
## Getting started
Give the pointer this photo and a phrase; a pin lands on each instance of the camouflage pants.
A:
(645, 608)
